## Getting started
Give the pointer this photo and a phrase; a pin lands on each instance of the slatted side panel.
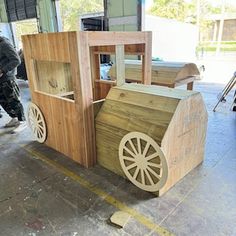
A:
(70, 129)
(50, 47)
(63, 126)
(184, 141)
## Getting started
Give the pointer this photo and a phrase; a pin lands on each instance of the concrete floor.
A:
(44, 193)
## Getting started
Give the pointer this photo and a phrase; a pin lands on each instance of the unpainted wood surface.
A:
(118, 44)
(53, 77)
(163, 73)
(184, 141)
(130, 108)
(175, 119)
(62, 125)
(69, 122)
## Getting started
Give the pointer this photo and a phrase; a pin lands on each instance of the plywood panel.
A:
(53, 77)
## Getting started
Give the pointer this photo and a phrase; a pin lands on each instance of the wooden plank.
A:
(86, 98)
(63, 129)
(163, 73)
(130, 49)
(147, 61)
(50, 47)
(116, 38)
(120, 65)
(184, 141)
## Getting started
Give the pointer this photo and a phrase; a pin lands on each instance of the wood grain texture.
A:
(175, 119)
(56, 65)
(163, 73)
(118, 44)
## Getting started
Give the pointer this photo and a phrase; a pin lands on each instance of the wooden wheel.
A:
(37, 123)
(142, 161)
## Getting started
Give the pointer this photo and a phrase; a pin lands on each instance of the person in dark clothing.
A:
(9, 90)
(21, 70)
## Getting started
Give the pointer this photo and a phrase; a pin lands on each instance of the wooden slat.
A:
(86, 98)
(163, 73)
(120, 62)
(105, 38)
(131, 49)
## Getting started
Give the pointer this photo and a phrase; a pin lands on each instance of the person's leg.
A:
(11, 103)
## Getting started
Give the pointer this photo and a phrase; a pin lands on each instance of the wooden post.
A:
(147, 60)
(120, 65)
(86, 99)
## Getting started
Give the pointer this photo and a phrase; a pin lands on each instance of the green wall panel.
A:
(117, 28)
(123, 8)
(115, 8)
(130, 27)
(130, 7)
(47, 16)
(3, 14)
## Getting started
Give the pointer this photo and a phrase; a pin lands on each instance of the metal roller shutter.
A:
(20, 9)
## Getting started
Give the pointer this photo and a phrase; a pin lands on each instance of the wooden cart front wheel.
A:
(143, 162)
(37, 123)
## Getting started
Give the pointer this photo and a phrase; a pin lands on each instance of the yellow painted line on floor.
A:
(109, 199)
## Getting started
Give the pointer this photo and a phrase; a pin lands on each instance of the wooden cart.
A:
(151, 135)
(64, 79)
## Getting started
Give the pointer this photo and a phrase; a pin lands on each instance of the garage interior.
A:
(43, 192)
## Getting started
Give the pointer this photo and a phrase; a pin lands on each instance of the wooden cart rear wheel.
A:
(37, 123)
(143, 161)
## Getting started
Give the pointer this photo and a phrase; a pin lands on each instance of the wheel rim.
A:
(37, 123)
(142, 161)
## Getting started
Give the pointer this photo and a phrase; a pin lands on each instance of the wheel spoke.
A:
(131, 166)
(153, 172)
(38, 116)
(37, 123)
(146, 149)
(131, 153)
(151, 156)
(136, 172)
(139, 146)
(39, 135)
(149, 177)
(155, 165)
(142, 176)
(41, 132)
(34, 112)
(34, 130)
(128, 158)
(40, 126)
(133, 147)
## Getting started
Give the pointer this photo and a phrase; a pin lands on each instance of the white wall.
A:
(5, 30)
(172, 40)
